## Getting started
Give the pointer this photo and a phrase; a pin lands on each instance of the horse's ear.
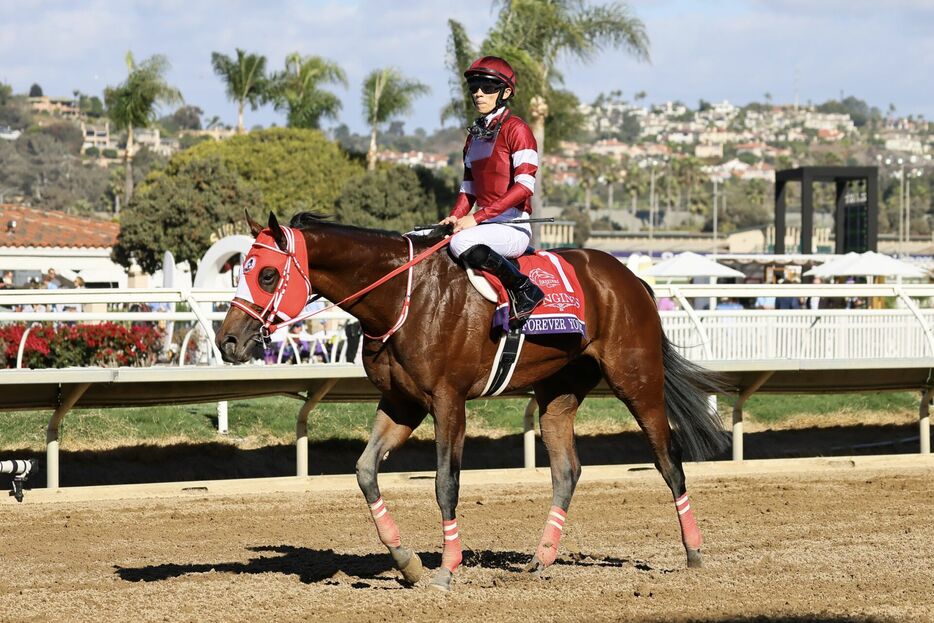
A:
(255, 227)
(276, 232)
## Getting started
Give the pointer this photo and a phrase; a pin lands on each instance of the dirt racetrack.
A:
(828, 544)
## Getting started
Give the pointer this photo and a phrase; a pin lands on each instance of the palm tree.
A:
(460, 54)
(636, 183)
(538, 33)
(612, 174)
(134, 104)
(245, 78)
(297, 90)
(590, 166)
(387, 94)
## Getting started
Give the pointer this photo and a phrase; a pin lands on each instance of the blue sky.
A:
(713, 49)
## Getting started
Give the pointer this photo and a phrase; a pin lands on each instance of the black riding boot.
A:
(523, 294)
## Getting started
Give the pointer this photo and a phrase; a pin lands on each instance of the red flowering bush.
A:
(106, 344)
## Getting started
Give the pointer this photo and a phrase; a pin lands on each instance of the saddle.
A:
(562, 310)
(483, 286)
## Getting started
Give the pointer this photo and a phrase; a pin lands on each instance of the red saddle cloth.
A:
(562, 311)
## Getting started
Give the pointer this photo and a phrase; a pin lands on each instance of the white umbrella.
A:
(868, 264)
(690, 265)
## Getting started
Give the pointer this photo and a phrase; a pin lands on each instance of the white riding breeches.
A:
(508, 240)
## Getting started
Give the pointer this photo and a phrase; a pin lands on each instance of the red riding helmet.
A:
(493, 67)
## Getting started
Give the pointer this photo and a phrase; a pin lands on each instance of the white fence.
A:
(801, 334)
(903, 331)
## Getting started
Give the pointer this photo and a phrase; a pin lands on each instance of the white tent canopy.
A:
(691, 265)
(868, 264)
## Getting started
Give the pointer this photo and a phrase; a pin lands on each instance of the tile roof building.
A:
(33, 240)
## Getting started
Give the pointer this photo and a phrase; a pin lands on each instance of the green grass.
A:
(272, 420)
(779, 408)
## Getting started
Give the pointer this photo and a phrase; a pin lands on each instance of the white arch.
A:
(209, 268)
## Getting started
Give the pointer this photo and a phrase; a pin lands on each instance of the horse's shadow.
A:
(327, 566)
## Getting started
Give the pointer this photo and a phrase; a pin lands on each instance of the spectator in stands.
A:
(49, 280)
(729, 304)
(814, 302)
(787, 302)
(666, 304)
(353, 333)
(7, 281)
(765, 302)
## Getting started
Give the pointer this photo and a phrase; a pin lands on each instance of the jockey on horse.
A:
(500, 163)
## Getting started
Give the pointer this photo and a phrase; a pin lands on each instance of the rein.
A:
(267, 323)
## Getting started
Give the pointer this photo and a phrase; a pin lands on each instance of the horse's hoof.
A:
(408, 563)
(535, 566)
(442, 580)
(695, 560)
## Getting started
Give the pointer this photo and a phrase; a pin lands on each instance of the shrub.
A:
(107, 344)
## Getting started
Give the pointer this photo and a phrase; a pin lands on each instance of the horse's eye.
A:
(268, 276)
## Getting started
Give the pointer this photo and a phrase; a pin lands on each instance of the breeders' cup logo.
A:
(543, 278)
(249, 264)
(561, 300)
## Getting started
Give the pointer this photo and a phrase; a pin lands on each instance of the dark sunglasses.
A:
(488, 87)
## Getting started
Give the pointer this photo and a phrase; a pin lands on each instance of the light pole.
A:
(905, 173)
(716, 183)
(912, 173)
(652, 200)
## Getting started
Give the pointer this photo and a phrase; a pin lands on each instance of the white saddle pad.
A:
(482, 286)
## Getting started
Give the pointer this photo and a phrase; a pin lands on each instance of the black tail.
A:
(697, 426)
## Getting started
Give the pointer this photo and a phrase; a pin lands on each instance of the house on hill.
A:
(33, 241)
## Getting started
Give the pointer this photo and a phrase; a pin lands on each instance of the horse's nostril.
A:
(229, 339)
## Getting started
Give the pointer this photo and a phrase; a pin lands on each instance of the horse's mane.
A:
(307, 220)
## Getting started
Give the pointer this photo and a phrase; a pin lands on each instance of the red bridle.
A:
(288, 304)
(292, 292)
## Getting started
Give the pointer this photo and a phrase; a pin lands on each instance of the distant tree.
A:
(581, 219)
(390, 198)
(460, 54)
(387, 94)
(592, 167)
(14, 109)
(89, 105)
(858, 110)
(297, 90)
(35, 90)
(630, 130)
(245, 78)
(134, 102)
(48, 172)
(180, 212)
(184, 118)
(293, 169)
(190, 140)
(68, 134)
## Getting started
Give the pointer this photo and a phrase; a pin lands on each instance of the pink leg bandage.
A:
(690, 535)
(452, 556)
(548, 547)
(385, 526)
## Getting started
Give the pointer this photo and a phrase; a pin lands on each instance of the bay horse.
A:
(439, 359)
